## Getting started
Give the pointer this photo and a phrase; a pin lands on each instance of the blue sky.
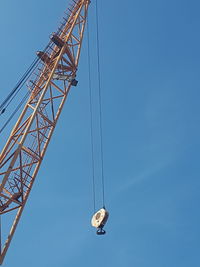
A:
(151, 126)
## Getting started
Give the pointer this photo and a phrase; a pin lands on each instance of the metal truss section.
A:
(49, 86)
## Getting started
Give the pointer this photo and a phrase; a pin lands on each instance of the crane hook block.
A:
(99, 220)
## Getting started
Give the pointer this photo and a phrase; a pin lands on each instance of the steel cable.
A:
(91, 115)
(14, 112)
(21, 83)
(16, 90)
(100, 104)
(18, 87)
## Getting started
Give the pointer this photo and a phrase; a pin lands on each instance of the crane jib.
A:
(48, 86)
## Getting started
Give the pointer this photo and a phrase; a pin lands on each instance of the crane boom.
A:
(24, 151)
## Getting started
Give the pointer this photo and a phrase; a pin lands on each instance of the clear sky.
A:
(150, 67)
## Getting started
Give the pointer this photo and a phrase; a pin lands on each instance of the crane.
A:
(26, 146)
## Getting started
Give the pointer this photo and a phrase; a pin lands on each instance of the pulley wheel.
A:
(100, 218)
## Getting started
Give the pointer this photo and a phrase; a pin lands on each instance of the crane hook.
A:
(99, 220)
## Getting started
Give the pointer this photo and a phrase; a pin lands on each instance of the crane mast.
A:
(49, 86)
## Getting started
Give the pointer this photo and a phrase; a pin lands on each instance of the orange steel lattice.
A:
(25, 148)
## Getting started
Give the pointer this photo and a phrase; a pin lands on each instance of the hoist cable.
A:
(18, 86)
(91, 115)
(16, 89)
(21, 85)
(22, 82)
(14, 112)
(100, 104)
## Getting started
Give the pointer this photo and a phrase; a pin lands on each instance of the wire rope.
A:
(18, 87)
(100, 105)
(21, 83)
(15, 91)
(91, 115)
(14, 112)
